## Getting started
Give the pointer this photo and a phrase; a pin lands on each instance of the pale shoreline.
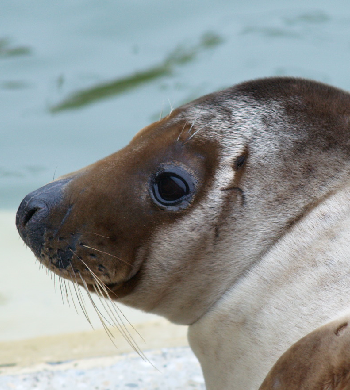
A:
(42, 353)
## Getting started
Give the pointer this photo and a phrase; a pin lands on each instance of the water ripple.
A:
(9, 50)
(178, 57)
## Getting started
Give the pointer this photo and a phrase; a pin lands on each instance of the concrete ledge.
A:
(170, 368)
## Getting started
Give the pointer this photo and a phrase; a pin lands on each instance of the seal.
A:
(320, 360)
(231, 215)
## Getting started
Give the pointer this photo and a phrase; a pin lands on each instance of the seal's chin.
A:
(82, 274)
(73, 260)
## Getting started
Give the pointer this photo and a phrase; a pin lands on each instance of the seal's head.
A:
(171, 222)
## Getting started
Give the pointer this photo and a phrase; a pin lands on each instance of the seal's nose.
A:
(34, 210)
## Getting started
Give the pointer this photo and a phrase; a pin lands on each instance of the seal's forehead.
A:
(166, 141)
(187, 126)
(155, 130)
(259, 93)
(267, 110)
(207, 117)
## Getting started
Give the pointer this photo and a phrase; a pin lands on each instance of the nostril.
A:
(35, 212)
(29, 215)
(31, 223)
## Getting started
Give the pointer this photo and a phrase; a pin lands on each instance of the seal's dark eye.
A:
(172, 187)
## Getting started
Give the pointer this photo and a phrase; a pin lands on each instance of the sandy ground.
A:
(89, 360)
(46, 345)
(27, 355)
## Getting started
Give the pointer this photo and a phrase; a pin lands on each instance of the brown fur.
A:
(110, 242)
(319, 361)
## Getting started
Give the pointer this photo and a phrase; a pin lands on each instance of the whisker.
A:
(89, 295)
(60, 282)
(192, 124)
(100, 235)
(81, 299)
(109, 333)
(115, 315)
(66, 291)
(171, 107)
(195, 133)
(183, 128)
(106, 253)
(118, 322)
(72, 297)
(103, 290)
(54, 174)
(161, 112)
(115, 306)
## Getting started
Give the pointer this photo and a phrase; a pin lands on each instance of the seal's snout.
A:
(34, 211)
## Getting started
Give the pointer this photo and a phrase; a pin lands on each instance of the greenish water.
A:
(78, 79)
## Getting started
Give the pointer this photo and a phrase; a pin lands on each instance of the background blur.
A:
(79, 78)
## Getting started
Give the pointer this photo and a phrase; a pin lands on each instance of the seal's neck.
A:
(300, 284)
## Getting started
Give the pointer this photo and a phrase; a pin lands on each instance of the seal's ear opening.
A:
(241, 160)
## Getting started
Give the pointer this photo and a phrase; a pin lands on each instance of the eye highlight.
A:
(172, 188)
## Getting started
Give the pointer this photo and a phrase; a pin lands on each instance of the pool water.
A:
(79, 79)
